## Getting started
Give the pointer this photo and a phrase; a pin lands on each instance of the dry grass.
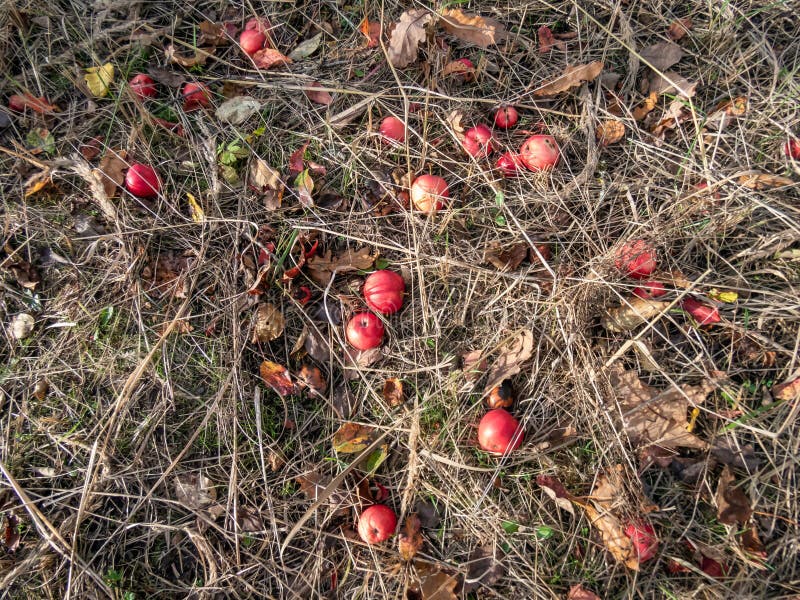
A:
(136, 400)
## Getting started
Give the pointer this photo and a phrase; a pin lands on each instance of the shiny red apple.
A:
(142, 181)
(393, 129)
(649, 290)
(702, 313)
(478, 141)
(376, 524)
(252, 40)
(428, 193)
(644, 540)
(364, 331)
(539, 152)
(636, 258)
(143, 87)
(195, 96)
(383, 291)
(505, 117)
(499, 432)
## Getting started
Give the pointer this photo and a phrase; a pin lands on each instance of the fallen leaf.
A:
(653, 417)
(268, 323)
(238, 109)
(604, 498)
(277, 377)
(573, 76)
(474, 365)
(194, 491)
(344, 401)
(610, 132)
(735, 107)
(556, 490)
(406, 37)
(310, 377)
(21, 326)
(167, 77)
(112, 170)
(352, 438)
(316, 345)
(11, 533)
(671, 83)
(201, 55)
(788, 390)
(306, 48)
(753, 546)
(312, 483)
(166, 275)
(646, 107)
(267, 58)
(454, 119)
(679, 28)
(175, 128)
(195, 210)
(37, 182)
(267, 182)
(764, 181)
(727, 297)
(355, 361)
(40, 139)
(728, 452)
(636, 311)
(40, 389)
(296, 160)
(248, 519)
(484, 569)
(304, 186)
(99, 79)
(733, 505)
(322, 266)
(472, 28)
(393, 392)
(457, 67)
(27, 100)
(547, 40)
(662, 56)
(432, 583)
(578, 592)
(428, 514)
(372, 31)
(410, 539)
(317, 95)
(212, 34)
(511, 355)
(505, 258)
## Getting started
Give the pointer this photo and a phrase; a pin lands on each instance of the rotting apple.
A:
(636, 258)
(252, 40)
(712, 567)
(376, 524)
(142, 181)
(792, 148)
(539, 152)
(702, 313)
(143, 87)
(383, 291)
(501, 396)
(393, 129)
(428, 193)
(505, 117)
(644, 540)
(195, 96)
(478, 141)
(364, 331)
(499, 432)
(509, 164)
(649, 290)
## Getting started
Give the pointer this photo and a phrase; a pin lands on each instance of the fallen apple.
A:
(649, 290)
(428, 193)
(792, 148)
(376, 524)
(393, 129)
(501, 396)
(195, 96)
(252, 40)
(258, 24)
(383, 291)
(636, 258)
(702, 313)
(478, 141)
(469, 75)
(644, 540)
(509, 164)
(539, 152)
(505, 117)
(143, 87)
(499, 432)
(364, 331)
(142, 181)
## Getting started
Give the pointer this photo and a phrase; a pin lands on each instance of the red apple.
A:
(644, 540)
(509, 164)
(478, 141)
(427, 193)
(383, 291)
(16, 103)
(499, 432)
(792, 148)
(539, 152)
(702, 313)
(142, 181)
(252, 40)
(637, 259)
(143, 87)
(377, 524)
(505, 117)
(393, 129)
(649, 290)
(704, 186)
(195, 96)
(364, 331)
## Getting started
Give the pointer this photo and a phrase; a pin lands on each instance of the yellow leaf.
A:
(99, 79)
(726, 297)
(198, 215)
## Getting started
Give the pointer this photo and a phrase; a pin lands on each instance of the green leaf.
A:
(544, 532)
(376, 459)
(381, 263)
(41, 138)
(510, 526)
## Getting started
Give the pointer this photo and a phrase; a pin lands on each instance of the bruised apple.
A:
(428, 192)
(393, 129)
(478, 141)
(636, 258)
(364, 331)
(142, 181)
(377, 524)
(644, 540)
(505, 117)
(252, 40)
(383, 291)
(143, 87)
(499, 432)
(509, 164)
(195, 96)
(539, 152)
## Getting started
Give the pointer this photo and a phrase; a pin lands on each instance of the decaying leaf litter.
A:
(178, 364)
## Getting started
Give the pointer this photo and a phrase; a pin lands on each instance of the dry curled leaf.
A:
(267, 182)
(316, 94)
(573, 76)
(432, 583)
(763, 181)
(733, 505)
(406, 37)
(201, 55)
(511, 355)
(556, 490)
(322, 266)
(112, 171)
(788, 390)
(646, 107)
(213, 34)
(194, 491)
(474, 365)
(38, 182)
(578, 592)
(410, 539)
(11, 535)
(679, 28)
(604, 498)
(355, 361)
(662, 56)
(393, 392)
(21, 326)
(28, 100)
(352, 438)
(237, 110)
(655, 417)
(484, 569)
(304, 186)
(506, 258)
(457, 67)
(269, 323)
(249, 519)
(634, 312)
(471, 28)
(99, 79)
(671, 83)
(306, 48)
(277, 377)
(311, 378)
(372, 33)
(267, 58)
(610, 132)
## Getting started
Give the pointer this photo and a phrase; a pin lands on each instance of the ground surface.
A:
(144, 457)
